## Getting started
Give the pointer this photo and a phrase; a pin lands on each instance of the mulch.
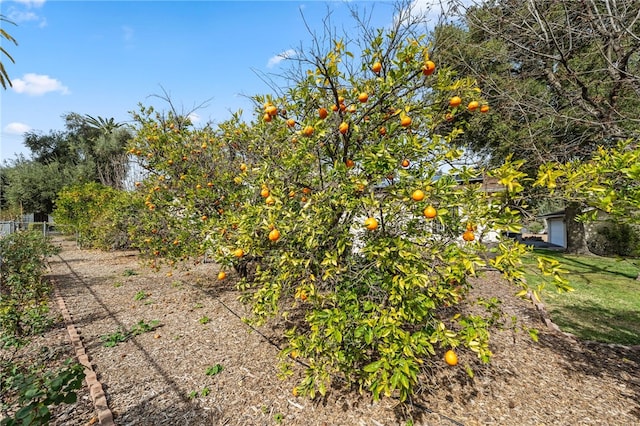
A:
(159, 377)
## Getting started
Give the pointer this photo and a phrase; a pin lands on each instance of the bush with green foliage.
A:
(99, 215)
(615, 238)
(28, 386)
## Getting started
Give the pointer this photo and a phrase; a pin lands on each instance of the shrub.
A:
(616, 238)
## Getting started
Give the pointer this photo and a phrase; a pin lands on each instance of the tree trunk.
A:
(576, 238)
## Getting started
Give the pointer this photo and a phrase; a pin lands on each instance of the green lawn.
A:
(605, 305)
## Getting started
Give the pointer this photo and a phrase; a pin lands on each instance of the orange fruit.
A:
(323, 113)
(271, 110)
(238, 253)
(406, 163)
(267, 118)
(349, 163)
(306, 190)
(430, 212)
(343, 107)
(405, 121)
(265, 192)
(371, 223)
(469, 226)
(222, 275)
(455, 101)
(468, 236)
(243, 167)
(377, 67)
(351, 109)
(451, 358)
(417, 195)
(428, 68)
(270, 200)
(363, 97)
(344, 127)
(274, 235)
(382, 131)
(334, 108)
(473, 105)
(484, 108)
(308, 131)
(204, 217)
(291, 122)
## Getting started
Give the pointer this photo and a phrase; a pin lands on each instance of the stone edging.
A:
(105, 416)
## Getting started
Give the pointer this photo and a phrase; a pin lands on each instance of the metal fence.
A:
(9, 227)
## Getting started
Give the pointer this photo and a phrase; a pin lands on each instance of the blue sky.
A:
(102, 58)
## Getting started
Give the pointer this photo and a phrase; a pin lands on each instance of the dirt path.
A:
(159, 377)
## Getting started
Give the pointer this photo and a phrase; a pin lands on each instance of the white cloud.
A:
(194, 117)
(31, 3)
(275, 60)
(38, 84)
(432, 11)
(19, 14)
(16, 128)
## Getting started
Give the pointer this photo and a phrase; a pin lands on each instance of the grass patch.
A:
(605, 305)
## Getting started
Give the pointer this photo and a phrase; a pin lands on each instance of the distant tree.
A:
(101, 142)
(562, 78)
(4, 76)
(33, 186)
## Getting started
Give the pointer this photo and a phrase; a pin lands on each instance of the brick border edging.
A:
(105, 416)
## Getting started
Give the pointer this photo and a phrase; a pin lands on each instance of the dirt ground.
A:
(159, 377)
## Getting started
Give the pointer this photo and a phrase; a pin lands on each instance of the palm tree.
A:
(104, 125)
(4, 77)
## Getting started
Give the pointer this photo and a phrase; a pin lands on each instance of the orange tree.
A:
(361, 223)
(345, 207)
(188, 187)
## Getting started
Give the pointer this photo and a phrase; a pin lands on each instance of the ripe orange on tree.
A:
(334, 108)
(371, 223)
(267, 118)
(274, 235)
(405, 121)
(271, 110)
(417, 195)
(344, 127)
(238, 253)
(484, 108)
(468, 235)
(291, 122)
(430, 212)
(265, 192)
(406, 163)
(451, 358)
(270, 200)
(222, 275)
(363, 97)
(455, 101)
(382, 131)
(428, 68)
(323, 113)
(307, 131)
(349, 163)
(376, 67)
(473, 105)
